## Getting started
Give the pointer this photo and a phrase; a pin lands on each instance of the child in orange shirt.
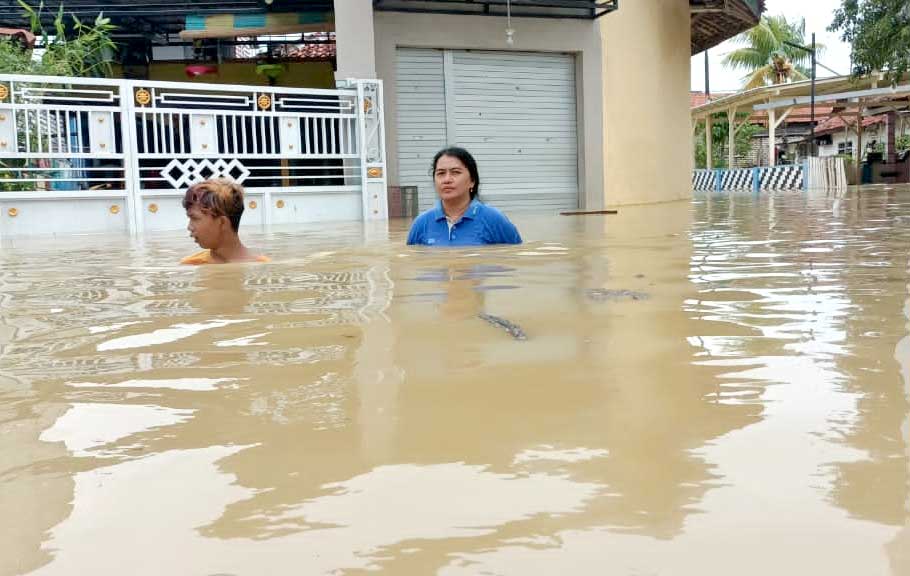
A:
(214, 208)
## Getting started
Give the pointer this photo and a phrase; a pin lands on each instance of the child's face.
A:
(207, 230)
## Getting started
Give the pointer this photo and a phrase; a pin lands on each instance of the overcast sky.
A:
(818, 15)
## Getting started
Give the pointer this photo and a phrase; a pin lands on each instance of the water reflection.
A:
(688, 369)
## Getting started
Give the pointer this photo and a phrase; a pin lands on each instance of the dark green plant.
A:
(879, 33)
(85, 50)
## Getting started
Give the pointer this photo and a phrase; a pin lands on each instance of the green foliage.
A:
(83, 50)
(74, 48)
(879, 32)
(719, 134)
(902, 142)
(766, 58)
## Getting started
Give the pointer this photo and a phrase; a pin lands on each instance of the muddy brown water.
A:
(710, 387)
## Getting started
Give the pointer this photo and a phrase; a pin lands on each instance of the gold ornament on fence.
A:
(4, 91)
(143, 97)
(264, 101)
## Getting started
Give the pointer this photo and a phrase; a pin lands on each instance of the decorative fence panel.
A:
(82, 154)
(736, 180)
(789, 177)
(703, 180)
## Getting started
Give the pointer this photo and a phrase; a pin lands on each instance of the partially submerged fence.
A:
(81, 154)
(822, 173)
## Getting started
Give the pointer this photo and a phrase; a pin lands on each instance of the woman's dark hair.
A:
(466, 159)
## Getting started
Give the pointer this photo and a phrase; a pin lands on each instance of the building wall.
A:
(870, 134)
(580, 37)
(646, 122)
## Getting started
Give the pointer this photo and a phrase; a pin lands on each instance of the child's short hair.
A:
(218, 197)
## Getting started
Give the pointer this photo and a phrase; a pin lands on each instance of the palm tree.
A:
(765, 56)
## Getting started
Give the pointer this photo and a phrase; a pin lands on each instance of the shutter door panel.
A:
(421, 118)
(516, 113)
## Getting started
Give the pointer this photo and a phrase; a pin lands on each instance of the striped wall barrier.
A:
(787, 177)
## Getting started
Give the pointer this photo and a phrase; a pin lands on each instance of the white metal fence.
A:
(81, 154)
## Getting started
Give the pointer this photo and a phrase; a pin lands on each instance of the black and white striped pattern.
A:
(736, 180)
(703, 180)
(782, 178)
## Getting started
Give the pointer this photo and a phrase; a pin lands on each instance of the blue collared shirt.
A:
(480, 224)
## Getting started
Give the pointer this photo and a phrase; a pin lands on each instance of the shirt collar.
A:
(470, 213)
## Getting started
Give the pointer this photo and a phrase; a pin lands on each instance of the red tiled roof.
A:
(698, 98)
(833, 124)
(310, 52)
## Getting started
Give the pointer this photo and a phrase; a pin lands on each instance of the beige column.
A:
(356, 54)
(731, 137)
(647, 144)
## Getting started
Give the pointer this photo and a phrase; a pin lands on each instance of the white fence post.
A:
(372, 150)
(131, 157)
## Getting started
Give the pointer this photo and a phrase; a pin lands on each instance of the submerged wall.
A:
(646, 125)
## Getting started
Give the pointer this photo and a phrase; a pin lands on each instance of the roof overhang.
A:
(583, 9)
(868, 96)
(714, 21)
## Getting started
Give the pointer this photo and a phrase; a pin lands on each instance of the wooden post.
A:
(772, 137)
(709, 153)
(859, 143)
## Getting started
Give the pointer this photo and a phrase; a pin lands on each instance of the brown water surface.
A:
(709, 387)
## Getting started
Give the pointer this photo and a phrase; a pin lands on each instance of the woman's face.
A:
(453, 181)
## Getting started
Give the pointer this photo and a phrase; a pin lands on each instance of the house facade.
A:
(565, 103)
(562, 112)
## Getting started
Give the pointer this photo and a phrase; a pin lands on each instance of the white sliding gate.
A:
(85, 155)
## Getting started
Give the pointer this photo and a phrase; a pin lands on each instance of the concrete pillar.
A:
(647, 136)
(891, 151)
(356, 53)
(731, 138)
(858, 158)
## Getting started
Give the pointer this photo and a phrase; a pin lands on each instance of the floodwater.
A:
(709, 387)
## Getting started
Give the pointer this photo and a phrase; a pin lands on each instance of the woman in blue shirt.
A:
(459, 218)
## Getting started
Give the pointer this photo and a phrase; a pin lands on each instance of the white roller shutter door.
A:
(514, 111)
(421, 118)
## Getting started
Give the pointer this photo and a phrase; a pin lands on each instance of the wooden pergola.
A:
(851, 99)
